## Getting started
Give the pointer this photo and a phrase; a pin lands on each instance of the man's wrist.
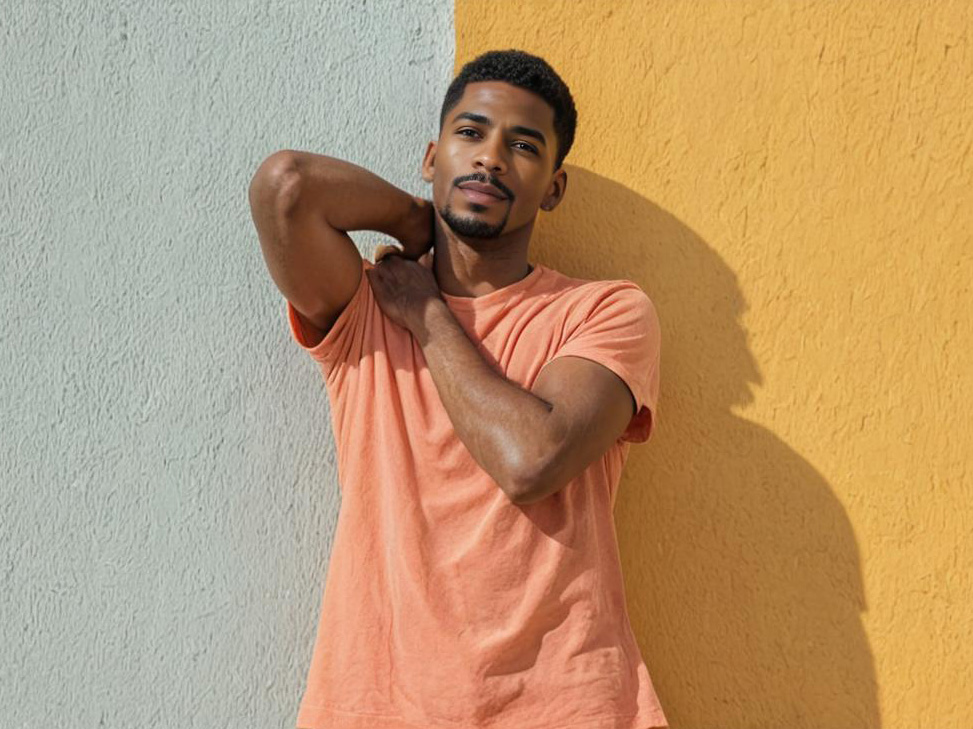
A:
(416, 233)
(431, 320)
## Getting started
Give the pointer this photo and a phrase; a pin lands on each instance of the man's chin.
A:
(469, 227)
(477, 232)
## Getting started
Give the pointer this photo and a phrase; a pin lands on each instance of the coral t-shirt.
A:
(446, 605)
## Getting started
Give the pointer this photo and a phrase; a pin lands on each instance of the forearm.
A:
(348, 197)
(503, 426)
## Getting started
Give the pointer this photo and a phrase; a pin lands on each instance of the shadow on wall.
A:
(742, 571)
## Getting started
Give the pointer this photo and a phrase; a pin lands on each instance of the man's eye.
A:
(525, 146)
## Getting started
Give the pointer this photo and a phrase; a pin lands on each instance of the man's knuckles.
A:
(384, 251)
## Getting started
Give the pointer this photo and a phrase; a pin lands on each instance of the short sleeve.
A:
(621, 331)
(345, 336)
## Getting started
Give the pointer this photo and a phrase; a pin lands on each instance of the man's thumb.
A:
(385, 250)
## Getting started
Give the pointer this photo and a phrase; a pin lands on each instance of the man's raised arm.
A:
(303, 204)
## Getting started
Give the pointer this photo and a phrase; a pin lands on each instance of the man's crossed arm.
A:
(532, 443)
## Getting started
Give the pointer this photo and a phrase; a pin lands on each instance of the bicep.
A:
(316, 267)
(591, 407)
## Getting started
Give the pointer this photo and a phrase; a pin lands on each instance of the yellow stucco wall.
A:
(791, 184)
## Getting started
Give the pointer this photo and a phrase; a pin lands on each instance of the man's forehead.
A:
(514, 103)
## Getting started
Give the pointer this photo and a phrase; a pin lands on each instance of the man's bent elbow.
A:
(278, 174)
(532, 488)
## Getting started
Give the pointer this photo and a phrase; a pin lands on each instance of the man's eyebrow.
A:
(480, 119)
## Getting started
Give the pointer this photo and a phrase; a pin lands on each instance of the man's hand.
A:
(418, 231)
(417, 236)
(388, 250)
(403, 288)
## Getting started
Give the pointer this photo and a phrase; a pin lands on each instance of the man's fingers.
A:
(384, 250)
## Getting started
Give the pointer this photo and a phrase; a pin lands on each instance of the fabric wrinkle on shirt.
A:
(446, 605)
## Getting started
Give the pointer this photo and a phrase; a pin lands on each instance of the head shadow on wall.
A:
(741, 567)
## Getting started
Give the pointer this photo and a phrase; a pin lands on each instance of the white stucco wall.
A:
(169, 481)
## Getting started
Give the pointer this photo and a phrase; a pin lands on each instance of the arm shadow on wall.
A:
(742, 572)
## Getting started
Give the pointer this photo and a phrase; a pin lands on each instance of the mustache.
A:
(486, 181)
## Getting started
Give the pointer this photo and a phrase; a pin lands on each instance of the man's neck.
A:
(476, 267)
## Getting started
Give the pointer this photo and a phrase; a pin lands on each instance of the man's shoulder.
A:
(595, 292)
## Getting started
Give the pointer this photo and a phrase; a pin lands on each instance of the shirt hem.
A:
(312, 716)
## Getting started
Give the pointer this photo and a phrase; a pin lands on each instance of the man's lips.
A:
(480, 197)
(481, 192)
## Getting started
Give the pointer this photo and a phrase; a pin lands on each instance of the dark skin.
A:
(532, 443)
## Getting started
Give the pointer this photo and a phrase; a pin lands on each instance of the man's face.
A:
(500, 135)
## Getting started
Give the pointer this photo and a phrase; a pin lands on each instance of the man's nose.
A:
(491, 156)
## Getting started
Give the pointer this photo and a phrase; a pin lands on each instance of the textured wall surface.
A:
(791, 184)
(169, 483)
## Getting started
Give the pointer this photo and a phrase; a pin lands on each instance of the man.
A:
(483, 407)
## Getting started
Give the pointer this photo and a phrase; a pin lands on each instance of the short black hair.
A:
(526, 71)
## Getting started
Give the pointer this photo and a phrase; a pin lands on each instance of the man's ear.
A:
(429, 162)
(556, 190)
